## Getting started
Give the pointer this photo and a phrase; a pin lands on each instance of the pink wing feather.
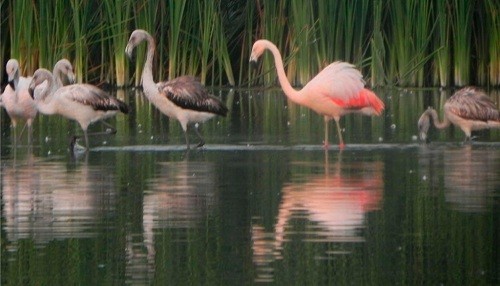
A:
(342, 83)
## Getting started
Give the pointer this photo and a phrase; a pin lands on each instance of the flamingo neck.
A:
(435, 119)
(147, 72)
(44, 102)
(289, 91)
(57, 75)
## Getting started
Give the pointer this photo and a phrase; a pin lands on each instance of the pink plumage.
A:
(335, 91)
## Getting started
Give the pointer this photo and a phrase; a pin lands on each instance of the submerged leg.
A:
(341, 141)
(111, 129)
(87, 146)
(202, 142)
(186, 136)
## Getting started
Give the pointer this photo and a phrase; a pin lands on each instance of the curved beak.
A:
(32, 92)
(71, 78)
(128, 51)
(12, 84)
(253, 62)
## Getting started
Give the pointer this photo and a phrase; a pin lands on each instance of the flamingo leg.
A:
(202, 142)
(325, 141)
(112, 130)
(186, 136)
(341, 141)
(22, 131)
(87, 145)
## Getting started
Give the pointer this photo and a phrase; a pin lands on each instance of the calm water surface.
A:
(262, 202)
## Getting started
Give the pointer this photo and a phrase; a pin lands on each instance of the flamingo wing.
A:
(340, 81)
(343, 84)
(474, 104)
(93, 96)
(188, 93)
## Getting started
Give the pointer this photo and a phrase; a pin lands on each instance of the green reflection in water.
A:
(402, 214)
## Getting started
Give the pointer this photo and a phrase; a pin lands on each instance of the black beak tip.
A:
(32, 92)
(253, 64)
(11, 83)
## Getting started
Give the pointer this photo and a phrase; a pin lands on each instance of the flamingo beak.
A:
(12, 85)
(71, 78)
(32, 92)
(253, 62)
(128, 51)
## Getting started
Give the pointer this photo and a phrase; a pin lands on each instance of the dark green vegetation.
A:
(404, 43)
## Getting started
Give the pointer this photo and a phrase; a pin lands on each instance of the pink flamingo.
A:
(16, 98)
(469, 108)
(337, 90)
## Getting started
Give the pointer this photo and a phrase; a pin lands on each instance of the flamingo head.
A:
(257, 50)
(39, 77)
(67, 69)
(137, 37)
(423, 125)
(12, 70)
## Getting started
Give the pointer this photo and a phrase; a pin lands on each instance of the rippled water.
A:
(261, 202)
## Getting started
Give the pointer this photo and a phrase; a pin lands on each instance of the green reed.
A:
(145, 18)
(397, 42)
(377, 46)
(22, 35)
(441, 41)
(492, 36)
(175, 15)
(461, 23)
(117, 15)
(410, 38)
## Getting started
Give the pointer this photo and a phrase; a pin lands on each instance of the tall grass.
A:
(175, 16)
(377, 45)
(461, 23)
(441, 43)
(22, 34)
(145, 18)
(492, 36)
(411, 23)
(395, 42)
(117, 18)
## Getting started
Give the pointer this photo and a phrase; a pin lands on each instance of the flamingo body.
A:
(16, 98)
(83, 103)
(335, 91)
(184, 98)
(469, 108)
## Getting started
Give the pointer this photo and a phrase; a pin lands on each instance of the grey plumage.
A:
(188, 93)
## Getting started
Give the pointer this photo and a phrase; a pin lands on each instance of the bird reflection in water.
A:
(51, 200)
(470, 174)
(334, 204)
(179, 197)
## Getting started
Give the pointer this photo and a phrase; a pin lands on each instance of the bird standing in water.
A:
(337, 90)
(184, 98)
(83, 103)
(16, 99)
(469, 108)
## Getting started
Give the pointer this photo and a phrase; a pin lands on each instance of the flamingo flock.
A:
(337, 90)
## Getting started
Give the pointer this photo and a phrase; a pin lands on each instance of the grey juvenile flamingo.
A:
(469, 108)
(184, 98)
(83, 103)
(335, 91)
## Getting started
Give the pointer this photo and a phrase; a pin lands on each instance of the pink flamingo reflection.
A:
(334, 204)
(46, 201)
